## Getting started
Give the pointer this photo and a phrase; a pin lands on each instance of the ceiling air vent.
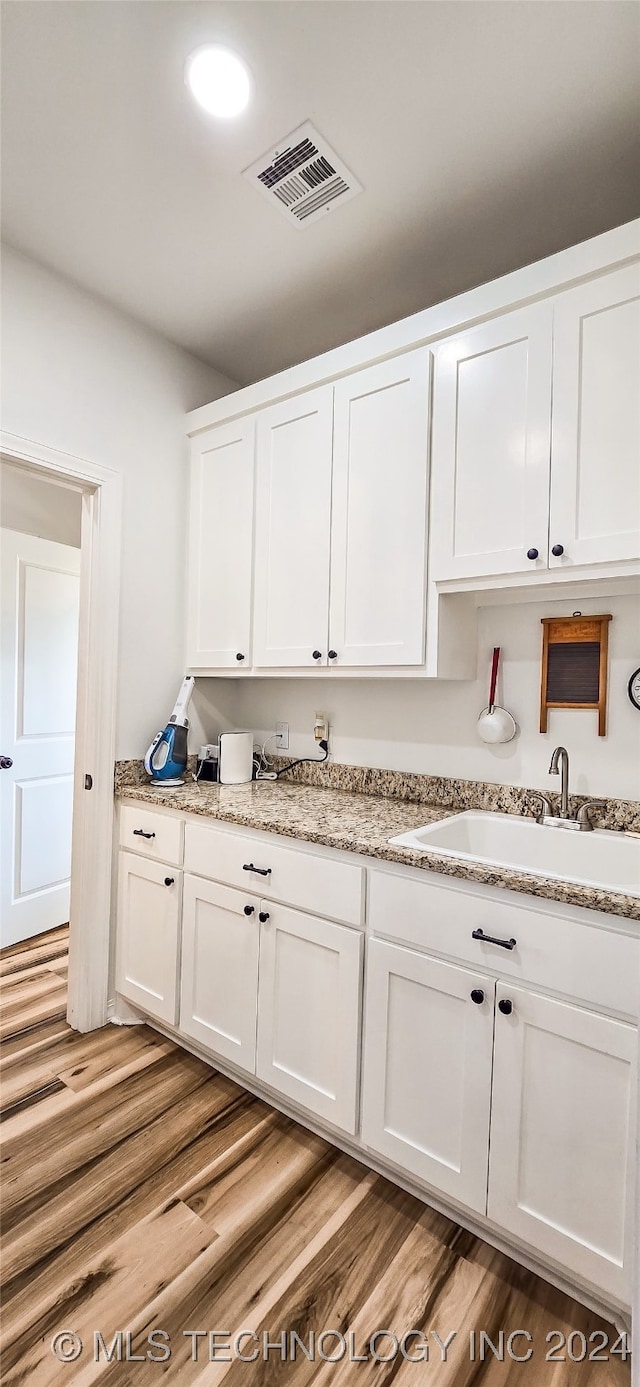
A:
(303, 177)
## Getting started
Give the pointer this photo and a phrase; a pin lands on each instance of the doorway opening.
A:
(59, 539)
(40, 539)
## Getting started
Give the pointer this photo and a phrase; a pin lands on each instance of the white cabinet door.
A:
(40, 601)
(491, 447)
(291, 602)
(427, 1069)
(562, 1135)
(379, 513)
(221, 547)
(220, 948)
(595, 467)
(148, 935)
(309, 1012)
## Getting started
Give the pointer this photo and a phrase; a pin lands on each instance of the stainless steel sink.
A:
(603, 859)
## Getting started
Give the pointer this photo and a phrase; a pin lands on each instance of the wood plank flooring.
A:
(143, 1191)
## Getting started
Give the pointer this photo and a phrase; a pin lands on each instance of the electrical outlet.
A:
(321, 727)
(282, 736)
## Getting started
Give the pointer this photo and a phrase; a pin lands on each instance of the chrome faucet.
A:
(561, 755)
(564, 819)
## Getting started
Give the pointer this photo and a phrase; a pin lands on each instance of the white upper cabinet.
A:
(221, 547)
(491, 447)
(345, 526)
(341, 531)
(293, 529)
(595, 476)
(536, 465)
(379, 513)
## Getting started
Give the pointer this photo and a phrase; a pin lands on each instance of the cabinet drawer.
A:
(552, 952)
(156, 835)
(265, 868)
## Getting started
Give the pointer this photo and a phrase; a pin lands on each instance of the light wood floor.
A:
(142, 1190)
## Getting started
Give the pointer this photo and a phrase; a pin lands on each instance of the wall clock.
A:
(633, 688)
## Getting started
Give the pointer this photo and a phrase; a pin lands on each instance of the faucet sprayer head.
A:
(555, 759)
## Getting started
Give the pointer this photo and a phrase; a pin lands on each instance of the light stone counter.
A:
(359, 823)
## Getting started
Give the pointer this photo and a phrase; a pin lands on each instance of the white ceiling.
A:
(486, 135)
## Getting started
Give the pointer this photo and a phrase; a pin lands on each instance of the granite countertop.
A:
(362, 823)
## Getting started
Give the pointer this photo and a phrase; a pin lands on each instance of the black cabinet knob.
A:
(316, 654)
(263, 916)
(477, 996)
(168, 881)
(239, 656)
(333, 654)
(505, 1006)
(249, 909)
(5, 763)
(532, 553)
(557, 550)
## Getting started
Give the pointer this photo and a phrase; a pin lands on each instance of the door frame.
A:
(93, 813)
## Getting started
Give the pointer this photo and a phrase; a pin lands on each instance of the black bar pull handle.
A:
(140, 833)
(261, 871)
(489, 939)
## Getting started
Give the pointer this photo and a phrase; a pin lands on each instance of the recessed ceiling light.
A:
(218, 79)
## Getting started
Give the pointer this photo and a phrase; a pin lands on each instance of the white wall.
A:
(83, 378)
(37, 507)
(431, 726)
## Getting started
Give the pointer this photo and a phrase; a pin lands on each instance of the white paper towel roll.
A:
(236, 758)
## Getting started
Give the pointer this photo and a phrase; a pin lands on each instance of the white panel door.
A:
(309, 1012)
(379, 513)
(595, 451)
(148, 935)
(293, 531)
(39, 648)
(562, 1135)
(427, 1069)
(491, 447)
(221, 547)
(219, 990)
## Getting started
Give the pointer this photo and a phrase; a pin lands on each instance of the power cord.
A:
(314, 760)
(261, 760)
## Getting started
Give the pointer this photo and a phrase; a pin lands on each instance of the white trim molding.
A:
(609, 251)
(93, 811)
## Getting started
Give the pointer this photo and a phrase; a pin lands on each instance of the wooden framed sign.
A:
(574, 665)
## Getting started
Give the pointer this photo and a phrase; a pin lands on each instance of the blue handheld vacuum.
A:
(166, 759)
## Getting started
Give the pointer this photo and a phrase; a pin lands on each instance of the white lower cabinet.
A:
(276, 992)
(476, 1083)
(309, 1012)
(427, 1069)
(148, 935)
(562, 1134)
(219, 990)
